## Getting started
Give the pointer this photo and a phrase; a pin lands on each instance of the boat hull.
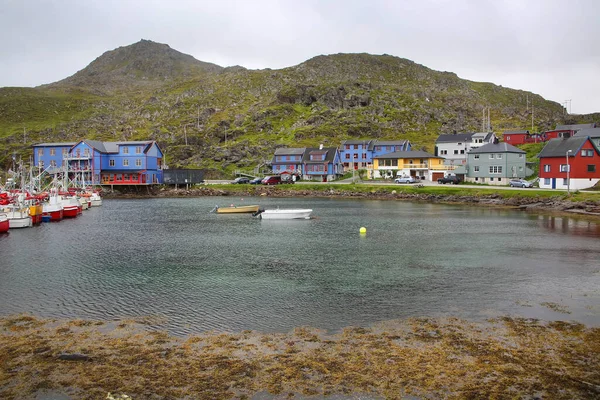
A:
(19, 222)
(35, 212)
(70, 211)
(236, 210)
(286, 214)
(4, 224)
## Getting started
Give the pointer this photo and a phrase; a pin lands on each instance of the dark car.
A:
(271, 180)
(449, 179)
(241, 179)
(255, 181)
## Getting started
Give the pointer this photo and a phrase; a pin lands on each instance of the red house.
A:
(522, 137)
(566, 131)
(572, 163)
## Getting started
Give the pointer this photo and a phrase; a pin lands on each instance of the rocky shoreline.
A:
(537, 204)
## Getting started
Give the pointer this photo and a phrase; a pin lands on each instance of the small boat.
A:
(236, 209)
(96, 200)
(298, 213)
(4, 224)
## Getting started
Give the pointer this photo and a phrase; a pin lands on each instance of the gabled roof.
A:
(289, 151)
(575, 127)
(69, 144)
(454, 138)
(521, 132)
(408, 154)
(497, 148)
(96, 144)
(559, 147)
(591, 132)
(357, 141)
(329, 157)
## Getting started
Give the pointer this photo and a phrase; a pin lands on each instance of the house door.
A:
(553, 183)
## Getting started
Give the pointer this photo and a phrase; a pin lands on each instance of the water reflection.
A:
(571, 226)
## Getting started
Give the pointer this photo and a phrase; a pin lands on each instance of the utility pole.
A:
(532, 118)
(569, 102)
(198, 125)
(24, 135)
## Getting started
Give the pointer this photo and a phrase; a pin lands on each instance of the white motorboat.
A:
(18, 217)
(298, 213)
(96, 199)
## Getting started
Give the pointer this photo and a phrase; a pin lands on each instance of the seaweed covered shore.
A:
(428, 358)
(531, 200)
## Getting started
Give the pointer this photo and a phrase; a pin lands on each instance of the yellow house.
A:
(419, 164)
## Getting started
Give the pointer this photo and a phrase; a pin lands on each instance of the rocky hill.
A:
(222, 119)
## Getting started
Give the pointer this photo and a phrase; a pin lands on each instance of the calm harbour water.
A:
(198, 271)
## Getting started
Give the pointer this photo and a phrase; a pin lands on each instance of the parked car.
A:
(520, 183)
(241, 179)
(449, 179)
(255, 181)
(271, 180)
(405, 179)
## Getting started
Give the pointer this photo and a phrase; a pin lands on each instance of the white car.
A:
(405, 179)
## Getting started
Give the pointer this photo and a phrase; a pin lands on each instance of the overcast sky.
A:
(549, 47)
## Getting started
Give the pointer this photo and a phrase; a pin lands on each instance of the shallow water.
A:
(198, 271)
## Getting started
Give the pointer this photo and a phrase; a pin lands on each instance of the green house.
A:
(495, 164)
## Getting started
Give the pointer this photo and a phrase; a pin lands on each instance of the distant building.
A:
(92, 162)
(454, 147)
(582, 164)
(567, 131)
(359, 154)
(496, 164)
(418, 164)
(522, 137)
(322, 164)
(288, 160)
(592, 133)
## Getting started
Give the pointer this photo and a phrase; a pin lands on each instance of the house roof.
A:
(521, 132)
(408, 154)
(390, 142)
(289, 151)
(356, 141)
(55, 144)
(591, 132)
(497, 148)
(329, 155)
(484, 135)
(559, 147)
(575, 127)
(454, 137)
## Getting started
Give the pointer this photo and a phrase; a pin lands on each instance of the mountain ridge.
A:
(224, 119)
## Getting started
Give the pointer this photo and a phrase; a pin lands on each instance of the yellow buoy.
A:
(363, 230)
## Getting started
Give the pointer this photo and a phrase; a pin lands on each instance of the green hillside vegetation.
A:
(225, 119)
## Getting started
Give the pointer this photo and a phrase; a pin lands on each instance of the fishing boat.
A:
(18, 217)
(4, 224)
(298, 213)
(95, 199)
(36, 211)
(236, 209)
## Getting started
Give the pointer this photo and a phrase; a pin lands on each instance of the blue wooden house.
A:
(288, 160)
(107, 163)
(359, 154)
(323, 164)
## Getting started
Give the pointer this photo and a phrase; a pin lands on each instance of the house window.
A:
(111, 163)
(138, 162)
(355, 156)
(41, 164)
(520, 155)
(499, 156)
(565, 168)
(52, 152)
(462, 152)
(53, 163)
(65, 152)
(587, 153)
(476, 168)
(460, 144)
(40, 152)
(476, 156)
(546, 167)
(565, 181)
(495, 169)
(138, 150)
(491, 156)
(125, 150)
(86, 152)
(364, 156)
(520, 168)
(443, 152)
(347, 156)
(355, 147)
(546, 181)
(591, 168)
(347, 147)
(491, 179)
(125, 162)
(455, 151)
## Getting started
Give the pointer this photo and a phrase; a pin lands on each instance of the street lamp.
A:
(568, 169)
